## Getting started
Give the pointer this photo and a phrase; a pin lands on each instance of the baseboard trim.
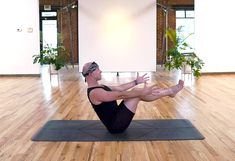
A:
(20, 75)
(217, 73)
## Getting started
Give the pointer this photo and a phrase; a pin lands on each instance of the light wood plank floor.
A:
(26, 103)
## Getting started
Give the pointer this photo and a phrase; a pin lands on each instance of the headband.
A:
(91, 69)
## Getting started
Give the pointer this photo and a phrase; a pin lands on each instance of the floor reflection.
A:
(49, 81)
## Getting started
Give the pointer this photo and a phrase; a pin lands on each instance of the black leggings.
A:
(121, 120)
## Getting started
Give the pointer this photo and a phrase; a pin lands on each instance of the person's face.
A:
(97, 73)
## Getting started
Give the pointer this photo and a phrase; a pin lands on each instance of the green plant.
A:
(177, 59)
(53, 55)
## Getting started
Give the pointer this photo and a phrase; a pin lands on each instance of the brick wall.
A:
(63, 24)
(180, 2)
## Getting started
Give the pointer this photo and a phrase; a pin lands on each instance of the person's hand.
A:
(146, 90)
(142, 79)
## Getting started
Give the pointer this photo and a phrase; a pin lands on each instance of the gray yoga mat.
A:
(139, 130)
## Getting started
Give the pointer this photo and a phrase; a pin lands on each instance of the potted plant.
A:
(57, 56)
(178, 60)
(49, 55)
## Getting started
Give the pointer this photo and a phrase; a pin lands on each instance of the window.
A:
(180, 14)
(185, 18)
(49, 29)
(48, 14)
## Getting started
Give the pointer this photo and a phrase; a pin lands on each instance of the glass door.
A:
(48, 29)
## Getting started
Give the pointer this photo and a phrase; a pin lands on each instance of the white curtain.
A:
(120, 35)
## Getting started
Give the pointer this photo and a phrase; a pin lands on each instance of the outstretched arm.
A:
(123, 87)
(100, 95)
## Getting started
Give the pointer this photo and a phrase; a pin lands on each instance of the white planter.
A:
(52, 69)
(186, 69)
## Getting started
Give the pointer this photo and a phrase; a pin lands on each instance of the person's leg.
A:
(162, 92)
(132, 104)
(123, 117)
(127, 107)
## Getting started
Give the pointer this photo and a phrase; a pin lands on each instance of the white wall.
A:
(17, 48)
(214, 32)
(120, 35)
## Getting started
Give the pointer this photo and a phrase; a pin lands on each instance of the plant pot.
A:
(52, 69)
(186, 69)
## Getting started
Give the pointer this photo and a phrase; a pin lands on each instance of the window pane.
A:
(49, 29)
(189, 13)
(180, 14)
(186, 32)
(48, 14)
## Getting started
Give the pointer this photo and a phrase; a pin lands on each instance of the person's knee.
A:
(131, 104)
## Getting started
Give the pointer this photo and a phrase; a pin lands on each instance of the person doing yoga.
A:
(117, 117)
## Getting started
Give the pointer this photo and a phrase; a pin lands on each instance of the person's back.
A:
(115, 117)
(104, 110)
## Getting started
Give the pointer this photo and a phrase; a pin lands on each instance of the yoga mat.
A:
(139, 130)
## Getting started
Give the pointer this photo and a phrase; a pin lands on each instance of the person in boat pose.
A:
(117, 117)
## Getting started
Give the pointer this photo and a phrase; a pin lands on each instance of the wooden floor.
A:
(27, 103)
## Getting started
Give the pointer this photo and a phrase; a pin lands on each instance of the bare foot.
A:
(175, 89)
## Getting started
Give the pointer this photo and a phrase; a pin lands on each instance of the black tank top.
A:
(106, 110)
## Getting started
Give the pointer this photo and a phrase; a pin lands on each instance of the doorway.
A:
(48, 29)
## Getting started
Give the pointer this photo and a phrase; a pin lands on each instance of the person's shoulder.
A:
(107, 88)
(99, 86)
